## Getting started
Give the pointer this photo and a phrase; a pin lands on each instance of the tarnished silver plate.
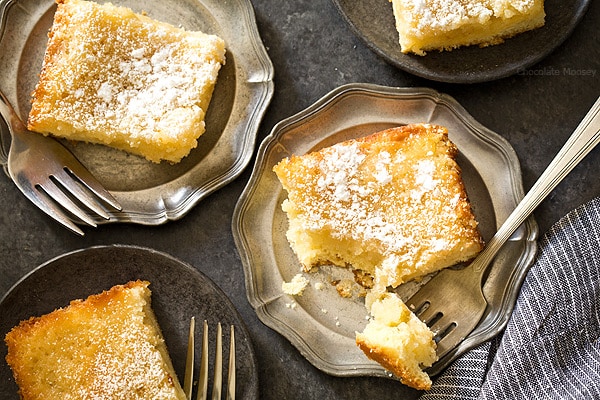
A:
(155, 193)
(320, 323)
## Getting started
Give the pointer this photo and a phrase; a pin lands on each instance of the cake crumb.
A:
(363, 278)
(344, 288)
(292, 305)
(296, 286)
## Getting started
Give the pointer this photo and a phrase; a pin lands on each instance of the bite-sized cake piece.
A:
(108, 346)
(122, 79)
(447, 24)
(391, 204)
(399, 341)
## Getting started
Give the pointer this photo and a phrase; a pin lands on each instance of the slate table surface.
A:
(314, 51)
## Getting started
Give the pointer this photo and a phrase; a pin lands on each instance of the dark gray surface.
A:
(313, 51)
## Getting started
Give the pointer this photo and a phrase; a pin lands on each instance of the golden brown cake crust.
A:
(447, 24)
(118, 78)
(404, 374)
(107, 345)
(392, 201)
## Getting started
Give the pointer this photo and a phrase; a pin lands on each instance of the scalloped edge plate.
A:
(152, 194)
(320, 323)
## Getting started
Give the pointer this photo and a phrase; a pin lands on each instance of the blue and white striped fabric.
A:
(550, 348)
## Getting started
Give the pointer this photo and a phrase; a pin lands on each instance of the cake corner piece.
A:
(396, 339)
(108, 345)
(429, 25)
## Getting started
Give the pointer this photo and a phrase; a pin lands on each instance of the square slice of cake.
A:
(426, 25)
(108, 346)
(122, 79)
(392, 204)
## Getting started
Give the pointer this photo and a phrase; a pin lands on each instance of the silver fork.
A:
(218, 368)
(51, 177)
(452, 302)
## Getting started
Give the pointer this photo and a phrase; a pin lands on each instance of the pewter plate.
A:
(320, 323)
(150, 193)
(373, 21)
(179, 291)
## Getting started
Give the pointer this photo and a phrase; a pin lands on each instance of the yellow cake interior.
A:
(391, 204)
(399, 341)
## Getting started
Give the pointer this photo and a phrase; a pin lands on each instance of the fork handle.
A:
(13, 124)
(585, 137)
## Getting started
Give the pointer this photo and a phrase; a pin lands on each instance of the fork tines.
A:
(218, 367)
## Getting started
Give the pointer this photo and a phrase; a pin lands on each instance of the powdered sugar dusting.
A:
(446, 15)
(147, 85)
(382, 175)
(105, 92)
(133, 76)
(339, 171)
(136, 367)
(424, 178)
(396, 198)
(362, 206)
(126, 361)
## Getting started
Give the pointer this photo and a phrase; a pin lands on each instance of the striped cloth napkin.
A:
(550, 348)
